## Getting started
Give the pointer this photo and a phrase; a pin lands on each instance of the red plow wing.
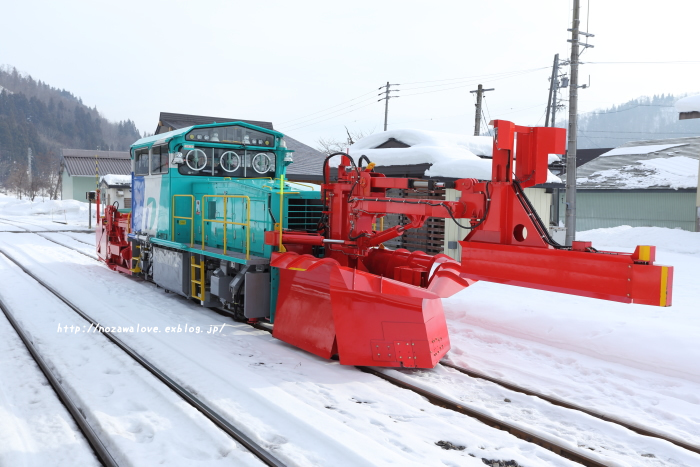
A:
(364, 318)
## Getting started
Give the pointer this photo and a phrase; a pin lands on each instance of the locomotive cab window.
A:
(141, 162)
(159, 159)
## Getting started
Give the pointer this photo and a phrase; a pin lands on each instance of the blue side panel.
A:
(138, 194)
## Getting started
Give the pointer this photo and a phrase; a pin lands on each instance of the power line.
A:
(338, 105)
(500, 76)
(476, 76)
(644, 63)
(462, 85)
(328, 114)
(329, 118)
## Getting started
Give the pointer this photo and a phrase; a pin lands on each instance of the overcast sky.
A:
(313, 67)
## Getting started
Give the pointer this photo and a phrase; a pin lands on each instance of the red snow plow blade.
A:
(367, 319)
(113, 248)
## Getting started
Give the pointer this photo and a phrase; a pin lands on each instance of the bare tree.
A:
(331, 145)
(17, 180)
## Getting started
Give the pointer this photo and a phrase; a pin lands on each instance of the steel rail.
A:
(195, 402)
(5, 221)
(568, 405)
(54, 241)
(505, 426)
(98, 447)
(514, 430)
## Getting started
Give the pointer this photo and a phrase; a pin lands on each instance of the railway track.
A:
(14, 222)
(99, 449)
(568, 405)
(223, 424)
(560, 449)
(547, 443)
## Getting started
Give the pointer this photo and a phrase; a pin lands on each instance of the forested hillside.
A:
(46, 119)
(645, 118)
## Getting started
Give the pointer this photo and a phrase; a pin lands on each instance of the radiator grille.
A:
(303, 214)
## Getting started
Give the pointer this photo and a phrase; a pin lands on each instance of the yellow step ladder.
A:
(194, 266)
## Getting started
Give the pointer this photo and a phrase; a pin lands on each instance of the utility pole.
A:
(570, 220)
(553, 85)
(386, 98)
(479, 95)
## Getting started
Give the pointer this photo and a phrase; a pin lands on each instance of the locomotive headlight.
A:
(288, 157)
(178, 159)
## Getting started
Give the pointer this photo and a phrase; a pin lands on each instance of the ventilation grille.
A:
(303, 214)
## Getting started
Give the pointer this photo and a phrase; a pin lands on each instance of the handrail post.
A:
(225, 225)
(281, 248)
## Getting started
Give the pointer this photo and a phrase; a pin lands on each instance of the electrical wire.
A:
(332, 107)
(646, 63)
(329, 118)
(473, 77)
(295, 126)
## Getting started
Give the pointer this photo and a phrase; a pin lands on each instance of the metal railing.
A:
(191, 218)
(227, 222)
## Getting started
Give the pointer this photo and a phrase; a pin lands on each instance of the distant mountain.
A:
(644, 118)
(46, 119)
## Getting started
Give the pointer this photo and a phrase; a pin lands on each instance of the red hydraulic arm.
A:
(507, 243)
(375, 306)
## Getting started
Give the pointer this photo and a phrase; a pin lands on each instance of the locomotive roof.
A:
(163, 137)
(307, 160)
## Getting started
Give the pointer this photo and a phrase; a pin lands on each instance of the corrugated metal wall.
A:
(600, 209)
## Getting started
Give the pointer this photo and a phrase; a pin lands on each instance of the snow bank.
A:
(688, 104)
(640, 149)
(624, 236)
(69, 212)
(673, 172)
(449, 154)
(660, 340)
(116, 180)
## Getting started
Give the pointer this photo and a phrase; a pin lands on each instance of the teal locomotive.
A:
(202, 199)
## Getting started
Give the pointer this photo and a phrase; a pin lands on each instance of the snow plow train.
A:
(214, 219)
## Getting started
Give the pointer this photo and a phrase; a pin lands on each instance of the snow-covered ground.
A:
(634, 362)
(50, 214)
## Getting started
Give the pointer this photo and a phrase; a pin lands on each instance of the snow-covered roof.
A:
(688, 104)
(629, 150)
(116, 180)
(644, 165)
(449, 154)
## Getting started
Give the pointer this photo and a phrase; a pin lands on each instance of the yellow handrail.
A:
(281, 248)
(226, 222)
(191, 218)
(308, 185)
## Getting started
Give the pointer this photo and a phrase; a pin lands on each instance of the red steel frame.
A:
(368, 304)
